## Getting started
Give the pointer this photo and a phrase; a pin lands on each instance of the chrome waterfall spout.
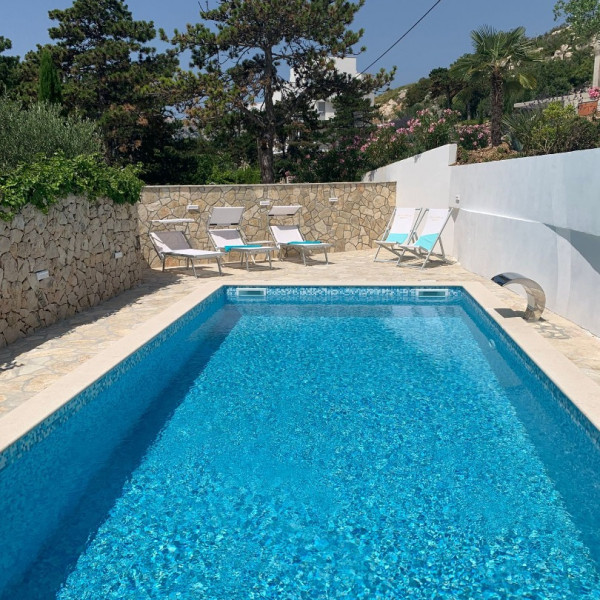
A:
(536, 298)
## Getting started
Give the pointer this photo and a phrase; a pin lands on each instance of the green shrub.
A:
(42, 130)
(555, 129)
(46, 180)
(224, 175)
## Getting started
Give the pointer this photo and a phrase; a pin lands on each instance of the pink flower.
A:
(594, 93)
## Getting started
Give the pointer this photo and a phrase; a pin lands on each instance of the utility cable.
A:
(401, 37)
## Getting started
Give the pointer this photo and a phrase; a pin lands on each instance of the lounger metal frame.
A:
(283, 247)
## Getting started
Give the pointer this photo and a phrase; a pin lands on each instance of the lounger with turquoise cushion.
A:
(175, 244)
(288, 237)
(226, 236)
(430, 236)
(400, 230)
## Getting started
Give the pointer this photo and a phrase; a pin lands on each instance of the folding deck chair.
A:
(400, 230)
(288, 237)
(435, 221)
(226, 236)
(176, 244)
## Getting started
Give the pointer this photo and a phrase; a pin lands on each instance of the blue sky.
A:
(436, 42)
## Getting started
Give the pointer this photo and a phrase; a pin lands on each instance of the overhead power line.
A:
(401, 37)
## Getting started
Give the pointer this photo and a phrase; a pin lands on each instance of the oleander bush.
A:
(474, 136)
(427, 130)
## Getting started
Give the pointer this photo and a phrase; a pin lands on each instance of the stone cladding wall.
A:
(76, 242)
(352, 223)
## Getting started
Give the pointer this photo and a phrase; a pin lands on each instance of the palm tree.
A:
(497, 57)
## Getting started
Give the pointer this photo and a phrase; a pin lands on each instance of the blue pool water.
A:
(362, 447)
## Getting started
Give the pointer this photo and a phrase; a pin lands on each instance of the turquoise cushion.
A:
(397, 238)
(427, 242)
(241, 247)
(305, 242)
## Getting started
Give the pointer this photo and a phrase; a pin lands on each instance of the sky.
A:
(436, 42)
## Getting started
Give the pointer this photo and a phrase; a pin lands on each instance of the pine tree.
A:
(108, 69)
(49, 89)
(256, 37)
(8, 67)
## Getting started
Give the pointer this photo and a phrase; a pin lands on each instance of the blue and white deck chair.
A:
(430, 236)
(289, 237)
(226, 236)
(400, 230)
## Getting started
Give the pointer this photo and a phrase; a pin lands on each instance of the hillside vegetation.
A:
(563, 67)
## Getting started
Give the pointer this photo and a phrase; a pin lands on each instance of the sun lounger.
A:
(226, 235)
(289, 237)
(435, 221)
(400, 230)
(176, 244)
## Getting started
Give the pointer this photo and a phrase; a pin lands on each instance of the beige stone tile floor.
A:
(32, 364)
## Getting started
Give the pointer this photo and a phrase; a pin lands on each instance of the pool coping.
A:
(567, 377)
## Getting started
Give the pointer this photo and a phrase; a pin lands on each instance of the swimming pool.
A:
(318, 443)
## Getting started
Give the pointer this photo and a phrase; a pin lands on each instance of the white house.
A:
(343, 65)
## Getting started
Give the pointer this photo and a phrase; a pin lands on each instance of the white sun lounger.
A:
(400, 230)
(430, 236)
(226, 235)
(176, 244)
(289, 237)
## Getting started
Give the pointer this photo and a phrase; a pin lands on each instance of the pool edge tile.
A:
(26, 417)
(566, 376)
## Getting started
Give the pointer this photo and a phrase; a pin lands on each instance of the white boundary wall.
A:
(539, 216)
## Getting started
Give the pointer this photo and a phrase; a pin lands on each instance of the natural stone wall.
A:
(76, 243)
(352, 223)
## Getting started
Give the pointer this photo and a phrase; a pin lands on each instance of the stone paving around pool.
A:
(31, 364)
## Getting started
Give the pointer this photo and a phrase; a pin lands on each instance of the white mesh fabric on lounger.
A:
(175, 244)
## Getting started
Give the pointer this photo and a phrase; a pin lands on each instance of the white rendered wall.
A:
(539, 216)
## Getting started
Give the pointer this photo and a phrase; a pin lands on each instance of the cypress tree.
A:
(49, 89)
